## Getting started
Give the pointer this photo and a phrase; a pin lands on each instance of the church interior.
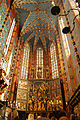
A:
(39, 59)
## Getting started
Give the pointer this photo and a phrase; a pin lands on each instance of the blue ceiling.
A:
(37, 24)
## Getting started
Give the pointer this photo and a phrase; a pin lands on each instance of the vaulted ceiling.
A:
(37, 25)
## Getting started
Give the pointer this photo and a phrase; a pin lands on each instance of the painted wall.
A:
(74, 48)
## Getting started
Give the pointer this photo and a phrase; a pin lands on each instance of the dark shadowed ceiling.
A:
(37, 25)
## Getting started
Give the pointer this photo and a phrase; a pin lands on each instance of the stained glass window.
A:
(65, 40)
(22, 90)
(24, 72)
(9, 37)
(39, 64)
(54, 62)
(66, 51)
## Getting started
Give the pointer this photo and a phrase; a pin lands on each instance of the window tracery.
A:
(24, 72)
(54, 62)
(39, 64)
(9, 37)
(65, 40)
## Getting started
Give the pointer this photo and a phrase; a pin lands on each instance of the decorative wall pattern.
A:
(67, 50)
(22, 90)
(3, 11)
(74, 44)
(66, 54)
(6, 30)
(15, 70)
(74, 38)
(4, 34)
(39, 21)
(8, 40)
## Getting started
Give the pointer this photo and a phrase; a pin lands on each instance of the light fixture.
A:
(56, 10)
(52, 2)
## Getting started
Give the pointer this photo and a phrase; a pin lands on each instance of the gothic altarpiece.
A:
(39, 87)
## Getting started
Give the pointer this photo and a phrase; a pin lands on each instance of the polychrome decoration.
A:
(3, 11)
(5, 29)
(22, 91)
(4, 33)
(22, 94)
(37, 22)
(67, 54)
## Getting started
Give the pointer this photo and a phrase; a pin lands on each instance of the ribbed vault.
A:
(36, 21)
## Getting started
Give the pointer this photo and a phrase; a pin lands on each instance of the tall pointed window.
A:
(24, 72)
(64, 38)
(66, 51)
(39, 64)
(9, 37)
(54, 62)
